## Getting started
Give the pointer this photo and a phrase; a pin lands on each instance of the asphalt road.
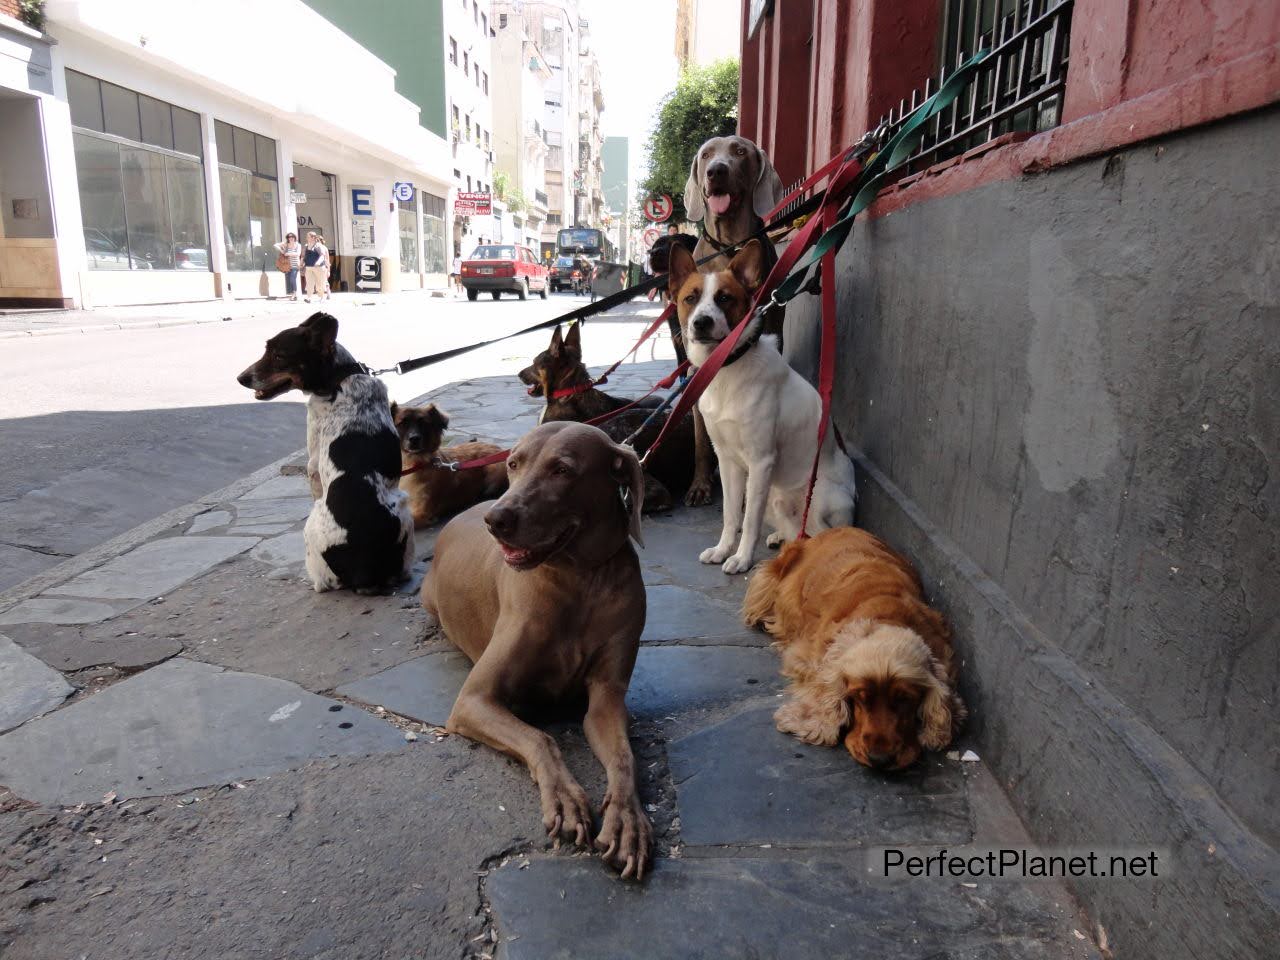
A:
(102, 431)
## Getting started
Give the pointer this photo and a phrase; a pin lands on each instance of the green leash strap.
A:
(892, 156)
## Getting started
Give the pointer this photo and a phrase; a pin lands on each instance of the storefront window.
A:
(140, 173)
(250, 202)
(408, 235)
(434, 259)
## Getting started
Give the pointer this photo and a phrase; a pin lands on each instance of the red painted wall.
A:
(820, 73)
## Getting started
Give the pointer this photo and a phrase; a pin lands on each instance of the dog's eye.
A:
(691, 299)
(560, 470)
(723, 298)
(513, 463)
(739, 150)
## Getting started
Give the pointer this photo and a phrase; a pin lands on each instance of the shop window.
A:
(434, 242)
(250, 195)
(142, 196)
(408, 214)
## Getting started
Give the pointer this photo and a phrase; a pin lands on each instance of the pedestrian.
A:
(316, 261)
(455, 275)
(290, 249)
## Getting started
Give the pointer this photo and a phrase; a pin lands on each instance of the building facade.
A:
(1056, 366)
(588, 188)
(153, 170)
(468, 59)
(615, 183)
(707, 32)
(521, 75)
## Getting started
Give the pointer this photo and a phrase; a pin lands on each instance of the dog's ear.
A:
(748, 265)
(693, 205)
(681, 265)
(573, 339)
(768, 190)
(395, 410)
(321, 327)
(557, 342)
(436, 417)
(629, 476)
(935, 709)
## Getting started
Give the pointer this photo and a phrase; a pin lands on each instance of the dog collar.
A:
(753, 333)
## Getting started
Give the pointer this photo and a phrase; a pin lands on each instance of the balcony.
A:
(540, 197)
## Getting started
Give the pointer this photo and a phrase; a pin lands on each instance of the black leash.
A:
(605, 303)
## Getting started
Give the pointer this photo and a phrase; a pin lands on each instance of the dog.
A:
(542, 590)
(435, 489)
(762, 417)
(731, 186)
(559, 375)
(360, 532)
(868, 659)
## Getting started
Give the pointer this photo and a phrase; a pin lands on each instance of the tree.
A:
(703, 105)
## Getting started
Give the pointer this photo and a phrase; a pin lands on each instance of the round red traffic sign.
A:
(649, 237)
(659, 208)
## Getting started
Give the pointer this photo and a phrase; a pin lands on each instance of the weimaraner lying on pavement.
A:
(541, 589)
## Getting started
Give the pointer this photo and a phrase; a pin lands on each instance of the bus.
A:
(587, 242)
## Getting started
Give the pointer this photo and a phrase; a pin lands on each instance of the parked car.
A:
(495, 267)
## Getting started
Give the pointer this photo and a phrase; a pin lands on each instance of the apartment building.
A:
(468, 72)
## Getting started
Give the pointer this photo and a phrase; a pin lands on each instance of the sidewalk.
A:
(207, 759)
(42, 323)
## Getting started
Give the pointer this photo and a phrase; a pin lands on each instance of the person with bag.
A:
(288, 258)
(316, 261)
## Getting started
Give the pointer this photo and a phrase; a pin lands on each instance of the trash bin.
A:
(368, 274)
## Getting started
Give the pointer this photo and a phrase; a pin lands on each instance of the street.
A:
(105, 430)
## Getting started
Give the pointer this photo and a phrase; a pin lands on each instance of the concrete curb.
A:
(124, 542)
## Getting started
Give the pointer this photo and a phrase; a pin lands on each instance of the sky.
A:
(636, 47)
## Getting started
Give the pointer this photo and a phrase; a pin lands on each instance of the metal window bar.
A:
(1019, 87)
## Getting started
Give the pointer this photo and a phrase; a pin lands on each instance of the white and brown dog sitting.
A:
(762, 417)
(360, 532)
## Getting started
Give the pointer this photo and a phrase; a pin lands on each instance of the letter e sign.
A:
(362, 201)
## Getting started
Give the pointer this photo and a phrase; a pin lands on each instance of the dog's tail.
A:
(759, 606)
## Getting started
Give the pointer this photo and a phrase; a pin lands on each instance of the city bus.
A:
(587, 242)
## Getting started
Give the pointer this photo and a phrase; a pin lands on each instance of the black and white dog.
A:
(360, 532)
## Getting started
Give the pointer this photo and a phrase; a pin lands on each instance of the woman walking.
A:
(291, 250)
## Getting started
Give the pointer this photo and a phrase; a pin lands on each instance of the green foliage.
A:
(703, 105)
(31, 12)
(501, 183)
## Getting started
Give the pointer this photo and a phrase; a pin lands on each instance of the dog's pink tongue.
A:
(513, 554)
(719, 203)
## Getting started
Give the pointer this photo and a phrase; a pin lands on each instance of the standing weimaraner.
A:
(541, 589)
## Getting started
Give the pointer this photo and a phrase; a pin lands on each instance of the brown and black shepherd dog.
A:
(560, 367)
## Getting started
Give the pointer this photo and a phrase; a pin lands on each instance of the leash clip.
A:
(450, 465)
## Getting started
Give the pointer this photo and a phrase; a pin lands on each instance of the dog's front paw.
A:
(805, 722)
(714, 554)
(699, 493)
(626, 837)
(775, 540)
(738, 563)
(565, 810)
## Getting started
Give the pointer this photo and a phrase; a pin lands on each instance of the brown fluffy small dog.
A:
(868, 659)
(434, 490)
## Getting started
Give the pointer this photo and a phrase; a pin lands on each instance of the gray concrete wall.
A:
(1067, 392)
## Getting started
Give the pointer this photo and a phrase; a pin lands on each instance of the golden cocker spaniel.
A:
(868, 659)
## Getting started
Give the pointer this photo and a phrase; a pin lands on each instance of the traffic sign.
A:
(403, 191)
(659, 208)
(649, 237)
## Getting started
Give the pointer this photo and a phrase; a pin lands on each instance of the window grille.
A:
(1019, 87)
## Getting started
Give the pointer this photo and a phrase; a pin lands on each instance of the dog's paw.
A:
(565, 810)
(699, 493)
(714, 554)
(626, 837)
(737, 564)
(775, 540)
(803, 722)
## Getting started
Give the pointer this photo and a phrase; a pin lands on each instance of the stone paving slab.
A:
(68, 648)
(28, 687)
(671, 680)
(177, 726)
(209, 520)
(273, 511)
(675, 613)
(154, 568)
(284, 550)
(61, 610)
(741, 782)
(740, 909)
(279, 488)
(423, 689)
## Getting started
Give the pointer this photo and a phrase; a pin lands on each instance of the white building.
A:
(521, 75)
(144, 164)
(468, 82)
(707, 31)
(587, 178)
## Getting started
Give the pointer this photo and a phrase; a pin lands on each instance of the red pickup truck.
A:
(496, 267)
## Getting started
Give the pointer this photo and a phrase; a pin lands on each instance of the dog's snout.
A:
(880, 760)
(717, 169)
(501, 521)
(413, 442)
(245, 378)
(702, 324)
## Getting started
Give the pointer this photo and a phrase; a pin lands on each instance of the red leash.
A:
(826, 364)
(604, 377)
